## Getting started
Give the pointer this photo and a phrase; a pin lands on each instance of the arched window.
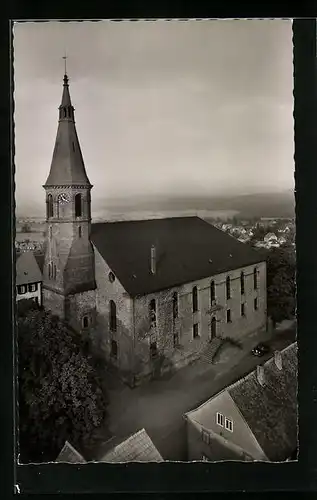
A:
(255, 278)
(242, 282)
(175, 305)
(85, 322)
(228, 288)
(152, 313)
(195, 299)
(49, 206)
(113, 316)
(212, 292)
(213, 327)
(78, 205)
(79, 231)
(50, 270)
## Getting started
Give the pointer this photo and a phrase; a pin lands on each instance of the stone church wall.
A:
(188, 347)
(106, 291)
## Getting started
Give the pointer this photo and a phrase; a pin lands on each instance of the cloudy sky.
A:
(196, 108)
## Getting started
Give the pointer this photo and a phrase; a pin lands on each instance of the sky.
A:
(171, 109)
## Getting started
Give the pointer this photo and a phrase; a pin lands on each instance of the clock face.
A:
(63, 198)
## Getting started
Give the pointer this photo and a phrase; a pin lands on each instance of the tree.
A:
(281, 269)
(60, 397)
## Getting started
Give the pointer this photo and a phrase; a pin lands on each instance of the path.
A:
(159, 405)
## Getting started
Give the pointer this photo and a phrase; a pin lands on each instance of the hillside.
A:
(251, 205)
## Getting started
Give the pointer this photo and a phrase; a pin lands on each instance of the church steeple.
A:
(67, 167)
(68, 271)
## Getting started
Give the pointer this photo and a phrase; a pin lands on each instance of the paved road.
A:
(159, 405)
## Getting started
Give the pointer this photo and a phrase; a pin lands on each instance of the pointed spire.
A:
(67, 167)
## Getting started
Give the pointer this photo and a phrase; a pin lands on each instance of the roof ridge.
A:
(238, 382)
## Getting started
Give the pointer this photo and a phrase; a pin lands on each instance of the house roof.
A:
(187, 249)
(70, 454)
(27, 269)
(137, 448)
(271, 410)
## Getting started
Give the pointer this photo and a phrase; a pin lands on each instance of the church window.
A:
(242, 309)
(228, 288)
(113, 316)
(53, 271)
(85, 321)
(176, 339)
(50, 270)
(152, 313)
(242, 282)
(79, 231)
(73, 146)
(111, 277)
(114, 349)
(255, 278)
(78, 211)
(49, 206)
(256, 304)
(195, 299)
(195, 330)
(212, 293)
(153, 349)
(213, 327)
(229, 316)
(175, 305)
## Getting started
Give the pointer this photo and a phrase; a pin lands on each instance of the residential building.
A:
(137, 448)
(28, 278)
(253, 419)
(70, 455)
(153, 293)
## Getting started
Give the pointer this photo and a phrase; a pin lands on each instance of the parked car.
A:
(261, 349)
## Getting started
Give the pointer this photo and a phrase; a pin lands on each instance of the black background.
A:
(174, 477)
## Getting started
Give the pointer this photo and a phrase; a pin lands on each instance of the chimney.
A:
(260, 374)
(153, 259)
(278, 360)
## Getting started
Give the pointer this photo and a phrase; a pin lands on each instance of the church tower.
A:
(68, 274)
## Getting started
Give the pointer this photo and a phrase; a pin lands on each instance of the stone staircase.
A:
(207, 353)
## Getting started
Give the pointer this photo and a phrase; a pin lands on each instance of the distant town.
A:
(260, 232)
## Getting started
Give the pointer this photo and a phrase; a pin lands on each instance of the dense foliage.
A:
(281, 288)
(60, 396)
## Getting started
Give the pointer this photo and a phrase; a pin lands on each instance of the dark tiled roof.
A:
(271, 410)
(27, 269)
(137, 448)
(187, 249)
(70, 454)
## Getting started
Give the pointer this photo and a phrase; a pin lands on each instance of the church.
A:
(150, 293)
